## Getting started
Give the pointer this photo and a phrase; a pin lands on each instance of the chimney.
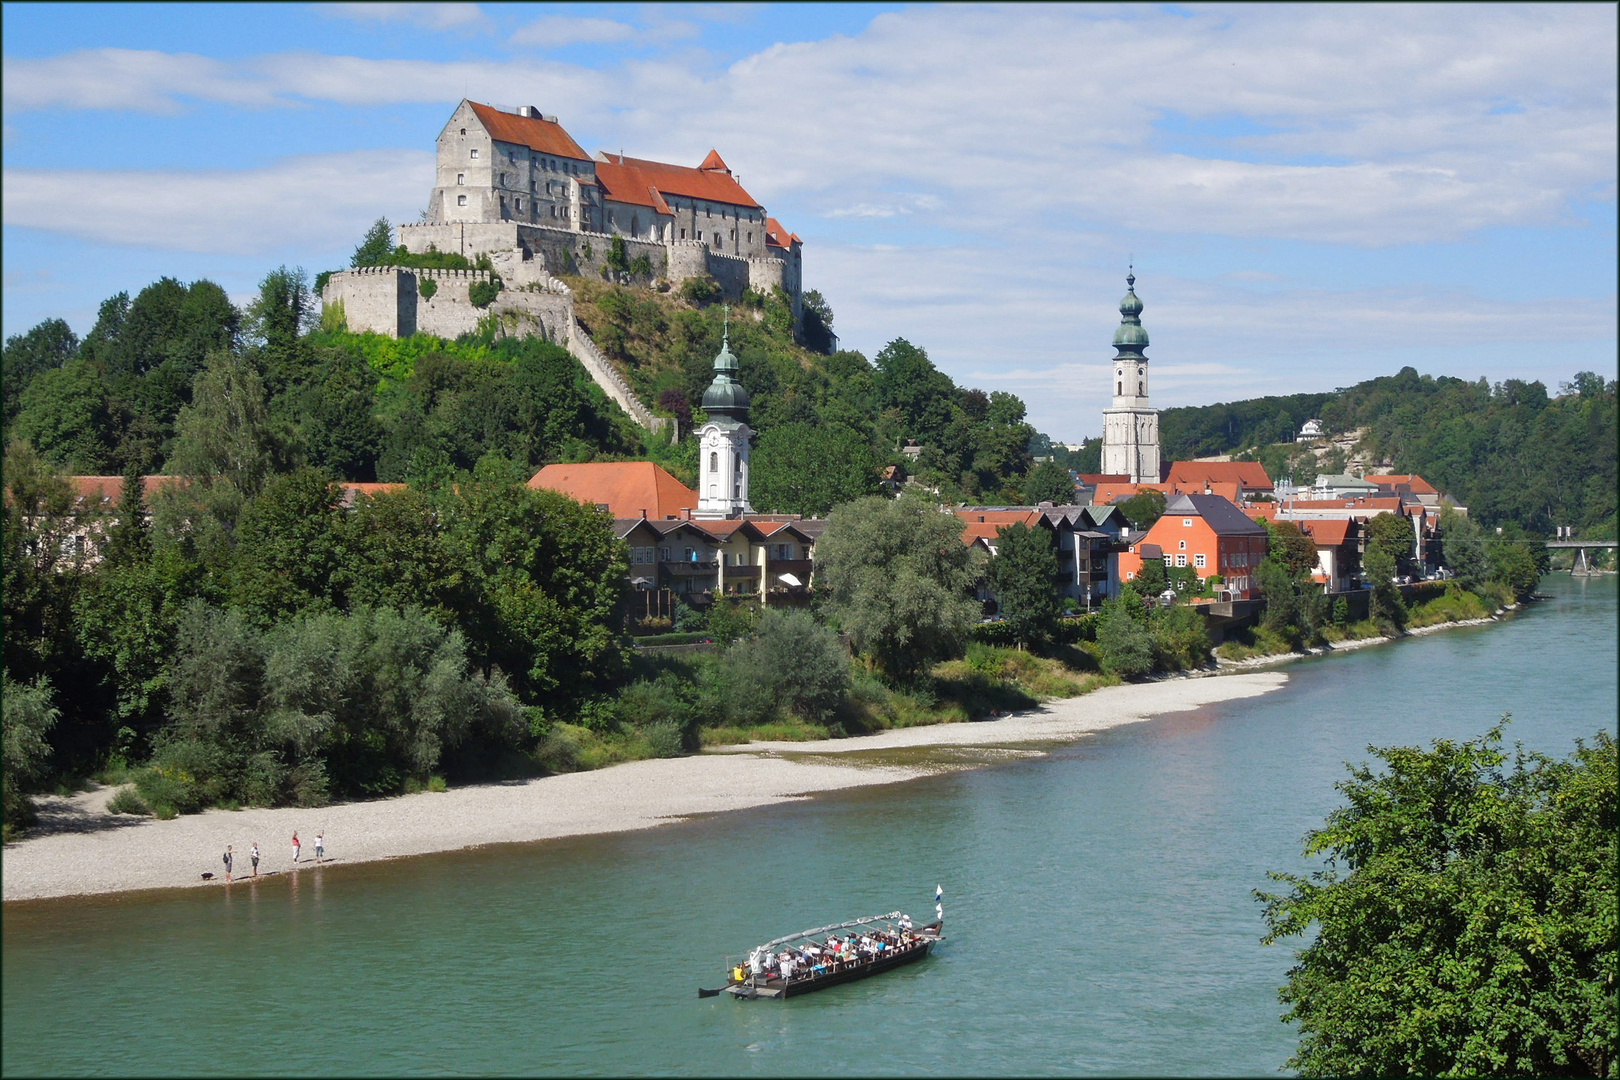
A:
(528, 110)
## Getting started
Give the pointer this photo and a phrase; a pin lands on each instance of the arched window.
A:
(714, 461)
(738, 465)
(1119, 388)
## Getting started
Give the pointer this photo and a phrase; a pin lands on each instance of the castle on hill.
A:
(517, 181)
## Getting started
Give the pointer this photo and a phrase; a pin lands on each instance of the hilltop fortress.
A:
(516, 187)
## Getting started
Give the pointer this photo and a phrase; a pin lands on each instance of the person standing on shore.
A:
(295, 849)
(320, 846)
(226, 858)
(253, 856)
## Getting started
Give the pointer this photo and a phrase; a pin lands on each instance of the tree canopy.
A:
(896, 575)
(1471, 929)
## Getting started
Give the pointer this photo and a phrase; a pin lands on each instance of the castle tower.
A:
(723, 442)
(1130, 427)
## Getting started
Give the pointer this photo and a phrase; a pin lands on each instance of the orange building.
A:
(1210, 535)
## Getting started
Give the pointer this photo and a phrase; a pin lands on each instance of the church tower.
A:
(1130, 427)
(723, 442)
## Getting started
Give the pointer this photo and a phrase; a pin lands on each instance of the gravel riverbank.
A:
(81, 849)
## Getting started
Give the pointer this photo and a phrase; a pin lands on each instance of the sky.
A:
(1311, 195)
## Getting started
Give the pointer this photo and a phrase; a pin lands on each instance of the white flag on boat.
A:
(939, 897)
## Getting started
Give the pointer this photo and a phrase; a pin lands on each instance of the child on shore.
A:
(320, 846)
(253, 856)
(295, 849)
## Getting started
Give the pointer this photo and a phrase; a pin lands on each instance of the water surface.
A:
(1098, 905)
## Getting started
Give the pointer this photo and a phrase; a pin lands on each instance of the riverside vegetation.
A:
(253, 640)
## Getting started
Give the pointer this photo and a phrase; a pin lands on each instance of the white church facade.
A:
(1130, 426)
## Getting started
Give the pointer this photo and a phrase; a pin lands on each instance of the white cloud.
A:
(426, 16)
(297, 201)
(556, 31)
(1378, 125)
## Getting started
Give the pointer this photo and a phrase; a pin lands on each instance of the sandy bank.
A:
(84, 849)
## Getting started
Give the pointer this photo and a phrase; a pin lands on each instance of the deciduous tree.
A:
(1023, 576)
(1464, 925)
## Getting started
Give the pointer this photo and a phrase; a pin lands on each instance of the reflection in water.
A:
(1099, 916)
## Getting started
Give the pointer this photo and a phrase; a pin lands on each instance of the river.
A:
(1098, 908)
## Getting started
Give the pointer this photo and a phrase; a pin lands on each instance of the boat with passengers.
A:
(829, 955)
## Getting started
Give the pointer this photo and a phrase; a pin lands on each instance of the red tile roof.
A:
(1330, 532)
(1418, 485)
(776, 236)
(1191, 476)
(637, 181)
(109, 488)
(714, 163)
(629, 489)
(531, 131)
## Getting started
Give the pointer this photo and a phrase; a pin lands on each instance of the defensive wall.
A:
(388, 300)
(566, 251)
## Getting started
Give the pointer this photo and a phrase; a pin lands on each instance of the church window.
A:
(1119, 388)
(461, 200)
(1140, 388)
(464, 131)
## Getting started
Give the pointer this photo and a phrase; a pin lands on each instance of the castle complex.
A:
(1130, 427)
(516, 187)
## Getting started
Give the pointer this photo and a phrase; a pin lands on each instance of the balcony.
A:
(688, 569)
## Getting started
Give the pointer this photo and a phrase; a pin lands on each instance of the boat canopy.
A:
(803, 934)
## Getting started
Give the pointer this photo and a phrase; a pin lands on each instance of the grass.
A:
(1251, 642)
(128, 802)
(1455, 605)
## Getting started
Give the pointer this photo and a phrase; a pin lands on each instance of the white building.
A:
(1130, 427)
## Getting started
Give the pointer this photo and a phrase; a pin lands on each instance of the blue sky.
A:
(1313, 195)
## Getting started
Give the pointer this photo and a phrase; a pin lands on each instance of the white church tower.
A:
(1130, 427)
(723, 442)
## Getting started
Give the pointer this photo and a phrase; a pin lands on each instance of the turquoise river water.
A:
(1098, 908)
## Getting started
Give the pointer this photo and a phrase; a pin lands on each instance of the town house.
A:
(1209, 534)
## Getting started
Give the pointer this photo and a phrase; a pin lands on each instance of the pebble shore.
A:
(81, 849)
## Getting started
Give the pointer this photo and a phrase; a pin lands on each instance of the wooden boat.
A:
(908, 946)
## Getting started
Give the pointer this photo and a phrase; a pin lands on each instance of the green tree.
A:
(292, 554)
(1513, 563)
(792, 663)
(1471, 931)
(1393, 534)
(226, 431)
(26, 717)
(1152, 578)
(1143, 509)
(1124, 645)
(1180, 636)
(896, 575)
(818, 322)
(808, 469)
(64, 415)
(375, 246)
(1462, 545)
(49, 345)
(1023, 576)
(1387, 607)
(1048, 482)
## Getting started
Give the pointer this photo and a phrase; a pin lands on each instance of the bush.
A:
(1180, 637)
(436, 784)
(700, 291)
(26, 714)
(1125, 648)
(427, 287)
(125, 801)
(791, 662)
(483, 293)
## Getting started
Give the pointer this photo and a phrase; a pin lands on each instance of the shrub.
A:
(436, 783)
(1180, 637)
(483, 293)
(700, 291)
(127, 802)
(790, 661)
(663, 739)
(427, 287)
(641, 266)
(1124, 645)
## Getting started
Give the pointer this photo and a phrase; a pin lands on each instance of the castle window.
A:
(461, 200)
(473, 152)
(520, 206)
(683, 234)
(750, 238)
(461, 179)
(700, 234)
(511, 156)
(464, 131)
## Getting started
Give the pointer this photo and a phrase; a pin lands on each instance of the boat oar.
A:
(708, 993)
